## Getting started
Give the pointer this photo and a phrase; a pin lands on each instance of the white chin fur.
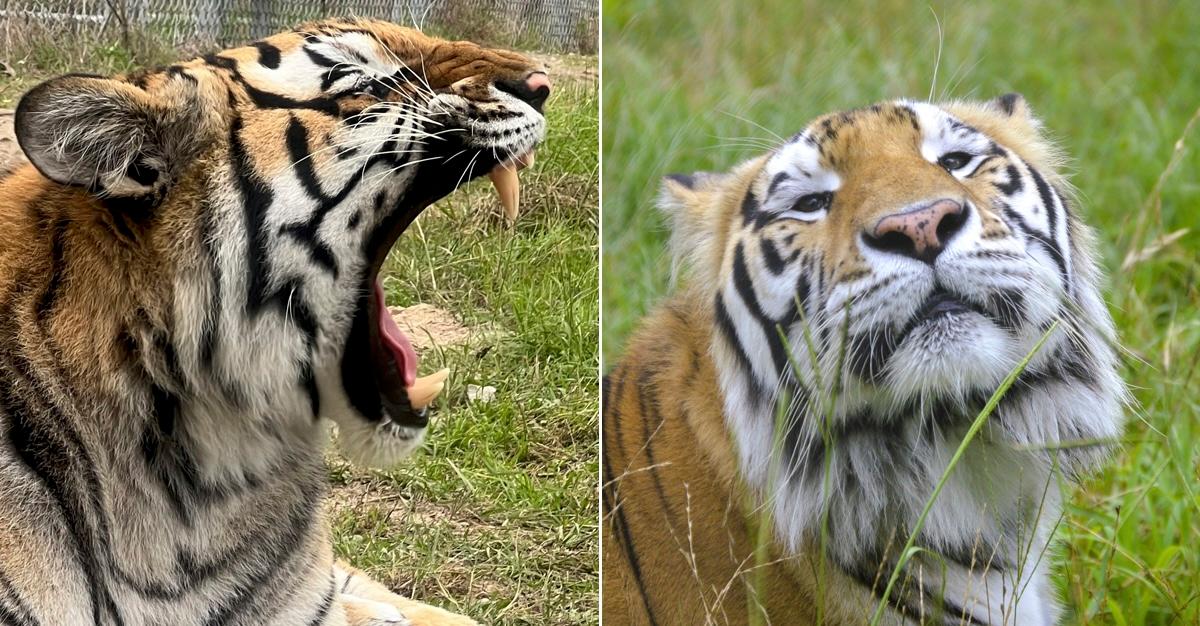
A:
(951, 355)
(377, 445)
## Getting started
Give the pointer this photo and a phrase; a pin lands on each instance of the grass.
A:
(497, 517)
(692, 86)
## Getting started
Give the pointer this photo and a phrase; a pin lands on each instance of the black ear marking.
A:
(687, 181)
(142, 173)
(1010, 103)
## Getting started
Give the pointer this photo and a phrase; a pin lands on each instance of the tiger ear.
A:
(99, 133)
(1012, 105)
(686, 198)
(689, 201)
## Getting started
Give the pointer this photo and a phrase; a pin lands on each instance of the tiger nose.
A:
(539, 89)
(921, 233)
(538, 81)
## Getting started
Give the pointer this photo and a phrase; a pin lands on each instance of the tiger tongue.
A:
(508, 185)
(394, 340)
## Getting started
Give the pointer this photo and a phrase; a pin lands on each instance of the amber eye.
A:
(952, 161)
(813, 202)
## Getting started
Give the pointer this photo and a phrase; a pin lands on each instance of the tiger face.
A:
(270, 181)
(879, 274)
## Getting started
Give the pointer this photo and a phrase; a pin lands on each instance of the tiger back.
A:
(189, 288)
(849, 303)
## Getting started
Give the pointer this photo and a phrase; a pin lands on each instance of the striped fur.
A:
(185, 293)
(815, 374)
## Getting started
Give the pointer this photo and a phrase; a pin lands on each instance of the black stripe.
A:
(729, 330)
(1033, 235)
(308, 381)
(777, 180)
(13, 610)
(210, 328)
(1014, 184)
(749, 207)
(745, 289)
(326, 603)
(267, 100)
(613, 505)
(1047, 201)
(624, 538)
(268, 55)
(265, 567)
(775, 263)
(48, 456)
(650, 412)
(45, 305)
(256, 199)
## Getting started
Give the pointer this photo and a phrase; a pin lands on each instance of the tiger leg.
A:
(368, 603)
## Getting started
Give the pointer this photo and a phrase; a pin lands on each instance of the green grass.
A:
(688, 84)
(497, 517)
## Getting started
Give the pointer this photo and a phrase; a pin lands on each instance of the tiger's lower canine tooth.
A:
(426, 389)
(508, 187)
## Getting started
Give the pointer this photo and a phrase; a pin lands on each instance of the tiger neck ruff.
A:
(851, 300)
(189, 285)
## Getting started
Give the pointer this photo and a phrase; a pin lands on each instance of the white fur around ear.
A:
(688, 202)
(99, 133)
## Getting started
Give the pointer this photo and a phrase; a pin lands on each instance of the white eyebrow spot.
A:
(800, 162)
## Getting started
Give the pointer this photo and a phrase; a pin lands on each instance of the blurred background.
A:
(564, 25)
(703, 85)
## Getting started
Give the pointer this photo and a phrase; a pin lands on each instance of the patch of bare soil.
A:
(571, 66)
(10, 152)
(428, 326)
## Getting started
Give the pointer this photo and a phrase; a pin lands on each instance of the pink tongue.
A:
(394, 340)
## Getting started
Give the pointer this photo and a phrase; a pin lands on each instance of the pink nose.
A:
(921, 233)
(538, 80)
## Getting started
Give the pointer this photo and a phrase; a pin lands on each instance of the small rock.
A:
(475, 393)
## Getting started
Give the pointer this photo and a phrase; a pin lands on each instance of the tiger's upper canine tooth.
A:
(508, 187)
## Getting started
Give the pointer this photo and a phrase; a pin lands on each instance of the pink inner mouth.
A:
(394, 339)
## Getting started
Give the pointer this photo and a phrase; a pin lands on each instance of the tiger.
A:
(190, 295)
(845, 307)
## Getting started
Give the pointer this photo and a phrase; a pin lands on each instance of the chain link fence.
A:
(552, 25)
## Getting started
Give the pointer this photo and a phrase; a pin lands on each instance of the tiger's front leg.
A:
(368, 603)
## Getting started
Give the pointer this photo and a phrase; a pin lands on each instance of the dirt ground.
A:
(10, 152)
(428, 326)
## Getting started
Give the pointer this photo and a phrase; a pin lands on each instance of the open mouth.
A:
(403, 395)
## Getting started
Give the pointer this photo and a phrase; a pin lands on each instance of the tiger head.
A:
(879, 275)
(269, 183)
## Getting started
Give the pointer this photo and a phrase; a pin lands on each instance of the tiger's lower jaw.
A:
(379, 445)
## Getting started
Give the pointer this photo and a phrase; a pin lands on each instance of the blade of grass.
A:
(976, 426)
